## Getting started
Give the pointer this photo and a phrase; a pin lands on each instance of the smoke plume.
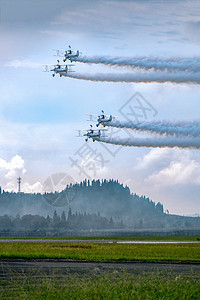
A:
(170, 142)
(150, 77)
(147, 63)
(160, 127)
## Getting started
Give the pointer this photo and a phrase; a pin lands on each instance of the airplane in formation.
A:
(101, 119)
(91, 133)
(68, 54)
(58, 69)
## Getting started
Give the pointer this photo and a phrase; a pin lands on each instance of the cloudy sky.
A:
(39, 114)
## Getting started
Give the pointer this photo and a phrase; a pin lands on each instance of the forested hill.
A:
(107, 197)
(111, 198)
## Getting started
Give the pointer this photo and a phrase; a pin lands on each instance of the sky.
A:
(39, 114)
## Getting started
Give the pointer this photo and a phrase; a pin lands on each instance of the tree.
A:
(111, 223)
(159, 207)
(5, 223)
(63, 217)
(48, 219)
(56, 218)
(70, 214)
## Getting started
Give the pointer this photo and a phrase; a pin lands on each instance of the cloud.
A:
(182, 171)
(92, 163)
(13, 167)
(22, 63)
(104, 15)
(154, 156)
(37, 187)
(10, 170)
(169, 167)
(192, 31)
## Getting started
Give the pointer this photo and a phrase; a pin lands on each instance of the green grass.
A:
(102, 251)
(104, 286)
(124, 238)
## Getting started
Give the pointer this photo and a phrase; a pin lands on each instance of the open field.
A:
(102, 251)
(114, 285)
(94, 270)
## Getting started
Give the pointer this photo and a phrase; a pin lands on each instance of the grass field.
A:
(102, 251)
(109, 284)
(103, 286)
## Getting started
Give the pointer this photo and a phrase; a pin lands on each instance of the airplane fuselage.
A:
(92, 134)
(103, 119)
(71, 56)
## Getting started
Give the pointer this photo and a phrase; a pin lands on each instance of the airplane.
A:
(58, 69)
(71, 55)
(101, 119)
(68, 54)
(91, 133)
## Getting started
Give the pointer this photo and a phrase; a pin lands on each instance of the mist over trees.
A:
(108, 197)
(55, 225)
(88, 205)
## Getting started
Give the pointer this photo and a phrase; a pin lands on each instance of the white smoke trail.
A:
(160, 127)
(150, 77)
(147, 63)
(170, 142)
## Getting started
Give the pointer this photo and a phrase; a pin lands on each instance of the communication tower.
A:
(19, 183)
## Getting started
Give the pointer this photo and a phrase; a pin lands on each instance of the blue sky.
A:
(38, 113)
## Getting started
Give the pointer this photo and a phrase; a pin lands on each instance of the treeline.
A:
(57, 223)
(108, 197)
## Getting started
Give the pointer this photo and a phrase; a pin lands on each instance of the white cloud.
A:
(10, 170)
(23, 63)
(37, 187)
(153, 157)
(169, 167)
(183, 170)
(13, 167)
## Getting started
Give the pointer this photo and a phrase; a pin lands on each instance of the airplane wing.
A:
(79, 132)
(59, 52)
(92, 118)
(46, 68)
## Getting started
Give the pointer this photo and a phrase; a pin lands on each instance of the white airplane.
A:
(68, 54)
(101, 119)
(58, 69)
(91, 133)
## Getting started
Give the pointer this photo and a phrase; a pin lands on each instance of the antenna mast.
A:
(19, 183)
